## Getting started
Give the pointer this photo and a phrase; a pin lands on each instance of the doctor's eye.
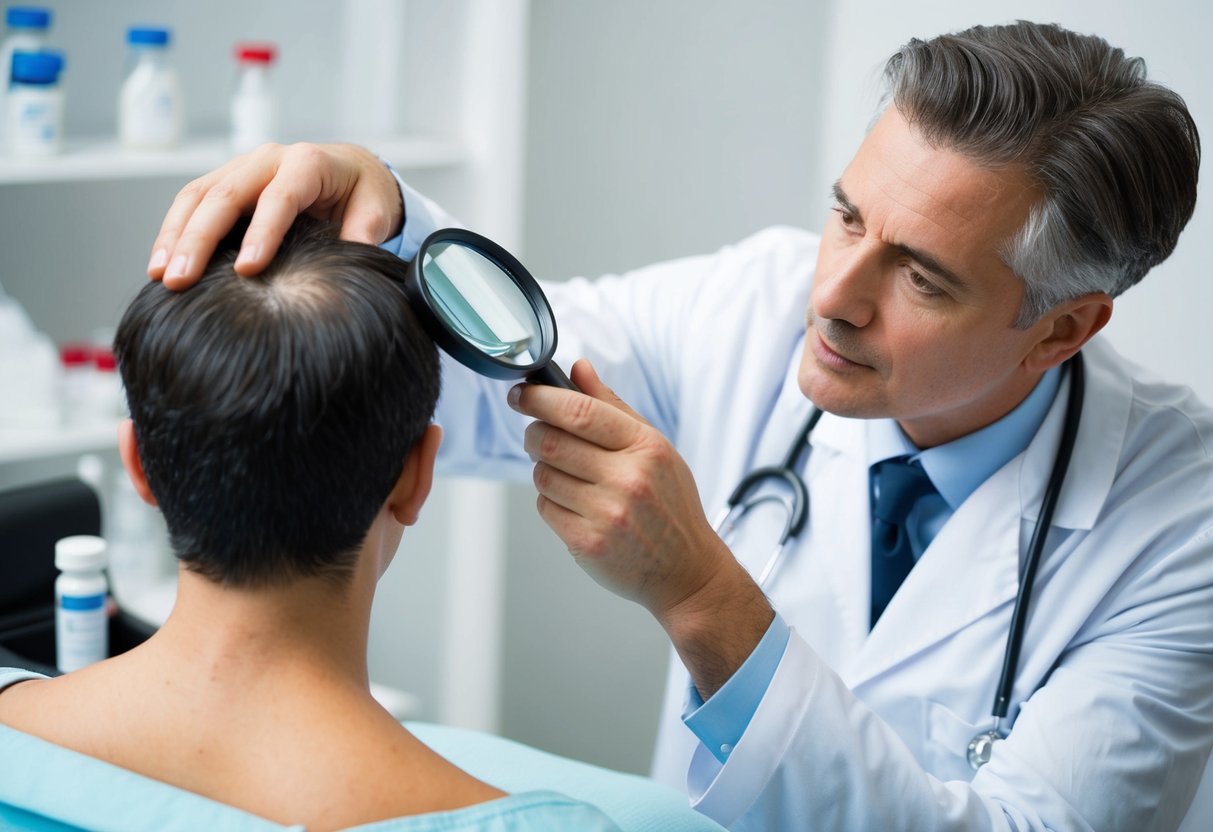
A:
(922, 285)
(848, 218)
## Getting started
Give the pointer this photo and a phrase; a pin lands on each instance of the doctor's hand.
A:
(616, 492)
(275, 183)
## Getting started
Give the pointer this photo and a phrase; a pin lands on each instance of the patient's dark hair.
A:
(273, 414)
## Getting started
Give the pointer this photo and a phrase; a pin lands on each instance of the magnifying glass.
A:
(484, 308)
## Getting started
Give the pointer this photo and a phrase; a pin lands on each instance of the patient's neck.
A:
(310, 626)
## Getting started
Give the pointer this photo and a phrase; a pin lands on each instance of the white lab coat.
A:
(1113, 702)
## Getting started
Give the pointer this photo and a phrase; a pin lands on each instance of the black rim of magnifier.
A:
(418, 293)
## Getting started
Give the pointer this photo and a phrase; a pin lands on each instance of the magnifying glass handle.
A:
(552, 376)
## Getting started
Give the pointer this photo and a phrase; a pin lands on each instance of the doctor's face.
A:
(912, 308)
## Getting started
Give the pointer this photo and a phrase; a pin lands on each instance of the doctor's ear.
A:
(128, 450)
(1066, 328)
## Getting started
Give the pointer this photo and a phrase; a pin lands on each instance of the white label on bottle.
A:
(34, 120)
(81, 631)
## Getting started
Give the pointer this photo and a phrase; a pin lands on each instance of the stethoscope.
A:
(797, 507)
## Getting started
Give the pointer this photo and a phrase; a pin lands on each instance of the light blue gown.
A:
(47, 787)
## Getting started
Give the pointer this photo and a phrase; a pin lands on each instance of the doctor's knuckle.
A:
(266, 151)
(550, 442)
(541, 476)
(277, 192)
(636, 486)
(616, 517)
(657, 449)
(222, 191)
(193, 189)
(591, 544)
(579, 411)
(304, 154)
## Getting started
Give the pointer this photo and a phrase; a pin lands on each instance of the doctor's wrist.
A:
(716, 628)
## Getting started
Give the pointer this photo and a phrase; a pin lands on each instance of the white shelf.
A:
(86, 160)
(26, 444)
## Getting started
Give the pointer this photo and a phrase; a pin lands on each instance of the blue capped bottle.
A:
(150, 107)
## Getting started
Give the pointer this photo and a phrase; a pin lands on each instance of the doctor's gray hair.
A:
(1116, 157)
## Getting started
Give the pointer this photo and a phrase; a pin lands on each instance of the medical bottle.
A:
(26, 32)
(35, 104)
(81, 625)
(254, 105)
(150, 106)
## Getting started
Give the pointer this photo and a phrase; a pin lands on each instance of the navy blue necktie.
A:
(902, 484)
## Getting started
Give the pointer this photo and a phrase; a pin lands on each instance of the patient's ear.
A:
(129, 451)
(416, 479)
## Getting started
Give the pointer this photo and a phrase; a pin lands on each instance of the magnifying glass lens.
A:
(483, 307)
(477, 299)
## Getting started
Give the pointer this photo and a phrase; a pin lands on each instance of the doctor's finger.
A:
(586, 378)
(571, 528)
(222, 202)
(565, 451)
(566, 490)
(576, 413)
(373, 212)
(179, 213)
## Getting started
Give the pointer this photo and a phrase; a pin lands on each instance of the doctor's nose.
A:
(847, 285)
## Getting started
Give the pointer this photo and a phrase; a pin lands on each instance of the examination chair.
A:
(32, 518)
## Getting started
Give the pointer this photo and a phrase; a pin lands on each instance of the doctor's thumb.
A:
(586, 378)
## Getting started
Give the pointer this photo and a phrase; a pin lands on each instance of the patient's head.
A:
(273, 415)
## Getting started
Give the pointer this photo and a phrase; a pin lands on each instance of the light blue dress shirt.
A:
(956, 470)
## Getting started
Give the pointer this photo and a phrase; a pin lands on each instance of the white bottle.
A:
(150, 107)
(81, 625)
(34, 123)
(29, 371)
(27, 27)
(254, 105)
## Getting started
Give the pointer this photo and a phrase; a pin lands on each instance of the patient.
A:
(282, 424)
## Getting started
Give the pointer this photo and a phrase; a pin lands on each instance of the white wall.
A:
(655, 129)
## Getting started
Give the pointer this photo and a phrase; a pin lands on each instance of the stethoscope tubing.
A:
(799, 513)
(1027, 578)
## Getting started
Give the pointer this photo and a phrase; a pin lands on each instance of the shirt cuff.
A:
(720, 722)
(418, 224)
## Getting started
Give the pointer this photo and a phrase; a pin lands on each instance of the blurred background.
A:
(588, 137)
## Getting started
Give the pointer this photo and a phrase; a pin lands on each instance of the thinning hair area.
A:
(273, 414)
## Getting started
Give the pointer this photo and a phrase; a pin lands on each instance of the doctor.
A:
(1018, 179)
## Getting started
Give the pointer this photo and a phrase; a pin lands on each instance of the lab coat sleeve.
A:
(640, 329)
(422, 217)
(1117, 737)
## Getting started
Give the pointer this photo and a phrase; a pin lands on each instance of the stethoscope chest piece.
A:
(980, 748)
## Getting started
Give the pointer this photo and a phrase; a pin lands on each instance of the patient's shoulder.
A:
(324, 764)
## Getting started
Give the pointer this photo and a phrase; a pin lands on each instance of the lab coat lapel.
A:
(971, 569)
(968, 571)
(837, 623)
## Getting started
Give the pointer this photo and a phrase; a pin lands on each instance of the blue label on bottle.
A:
(82, 602)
